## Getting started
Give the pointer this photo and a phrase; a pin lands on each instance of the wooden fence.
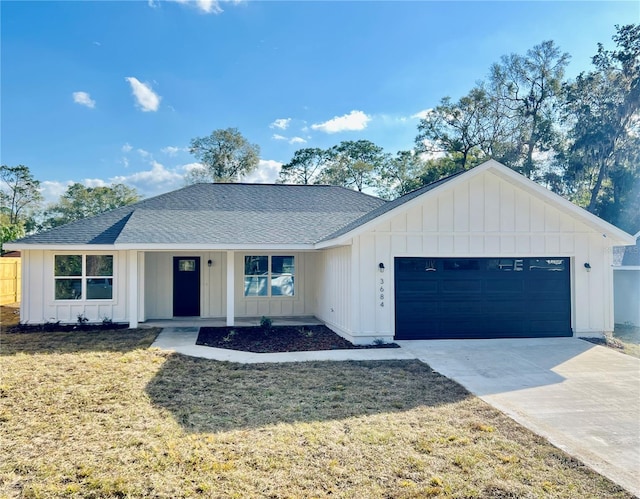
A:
(10, 280)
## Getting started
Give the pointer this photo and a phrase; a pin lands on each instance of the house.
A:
(485, 253)
(626, 284)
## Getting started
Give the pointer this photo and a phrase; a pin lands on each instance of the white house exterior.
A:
(486, 246)
(626, 285)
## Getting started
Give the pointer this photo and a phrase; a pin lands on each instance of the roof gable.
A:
(389, 210)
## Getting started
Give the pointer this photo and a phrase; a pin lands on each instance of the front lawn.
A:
(101, 415)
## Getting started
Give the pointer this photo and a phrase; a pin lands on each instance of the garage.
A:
(451, 298)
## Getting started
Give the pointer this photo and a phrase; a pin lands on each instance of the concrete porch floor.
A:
(222, 322)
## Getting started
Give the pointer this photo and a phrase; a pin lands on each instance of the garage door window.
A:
(547, 265)
(461, 264)
(505, 264)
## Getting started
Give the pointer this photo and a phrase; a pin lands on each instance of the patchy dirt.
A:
(277, 339)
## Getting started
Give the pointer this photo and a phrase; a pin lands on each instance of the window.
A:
(547, 264)
(461, 264)
(505, 264)
(269, 276)
(79, 277)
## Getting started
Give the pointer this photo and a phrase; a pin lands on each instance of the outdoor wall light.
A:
(587, 266)
(209, 263)
(381, 267)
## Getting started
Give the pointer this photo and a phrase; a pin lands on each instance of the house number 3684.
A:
(382, 292)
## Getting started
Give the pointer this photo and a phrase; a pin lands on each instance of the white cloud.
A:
(266, 173)
(275, 136)
(84, 99)
(189, 167)
(51, 190)
(146, 98)
(94, 182)
(127, 147)
(172, 150)
(152, 3)
(281, 123)
(143, 153)
(152, 182)
(422, 114)
(297, 140)
(355, 120)
(205, 6)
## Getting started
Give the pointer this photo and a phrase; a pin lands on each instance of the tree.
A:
(464, 130)
(226, 155)
(80, 202)
(306, 166)
(401, 174)
(526, 89)
(602, 111)
(354, 164)
(20, 192)
(19, 199)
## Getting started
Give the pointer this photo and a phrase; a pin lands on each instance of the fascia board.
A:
(58, 247)
(214, 247)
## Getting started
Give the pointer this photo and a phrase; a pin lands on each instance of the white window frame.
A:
(269, 276)
(83, 278)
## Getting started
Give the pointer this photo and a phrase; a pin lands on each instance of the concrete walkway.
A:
(583, 398)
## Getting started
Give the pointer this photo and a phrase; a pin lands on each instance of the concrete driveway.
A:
(583, 398)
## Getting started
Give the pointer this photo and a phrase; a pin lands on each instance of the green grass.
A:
(81, 418)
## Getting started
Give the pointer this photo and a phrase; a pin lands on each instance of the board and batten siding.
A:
(333, 281)
(301, 304)
(486, 216)
(158, 287)
(38, 301)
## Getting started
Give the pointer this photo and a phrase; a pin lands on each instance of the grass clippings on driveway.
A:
(625, 339)
(128, 421)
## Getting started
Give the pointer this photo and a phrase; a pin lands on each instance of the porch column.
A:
(133, 289)
(230, 288)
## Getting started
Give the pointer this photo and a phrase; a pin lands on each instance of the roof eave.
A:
(212, 247)
(17, 246)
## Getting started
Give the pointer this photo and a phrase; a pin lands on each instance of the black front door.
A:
(186, 286)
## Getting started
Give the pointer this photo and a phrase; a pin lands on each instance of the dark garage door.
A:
(440, 298)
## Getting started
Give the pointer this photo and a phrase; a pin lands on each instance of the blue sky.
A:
(103, 92)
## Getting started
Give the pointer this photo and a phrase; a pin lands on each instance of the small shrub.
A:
(82, 320)
(379, 342)
(305, 332)
(266, 324)
(229, 336)
(107, 322)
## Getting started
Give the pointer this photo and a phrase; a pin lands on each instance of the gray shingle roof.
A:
(222, 214)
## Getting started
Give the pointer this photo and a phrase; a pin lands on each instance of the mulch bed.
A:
(278, 339)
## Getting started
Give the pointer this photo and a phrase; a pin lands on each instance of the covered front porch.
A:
(220, 288)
